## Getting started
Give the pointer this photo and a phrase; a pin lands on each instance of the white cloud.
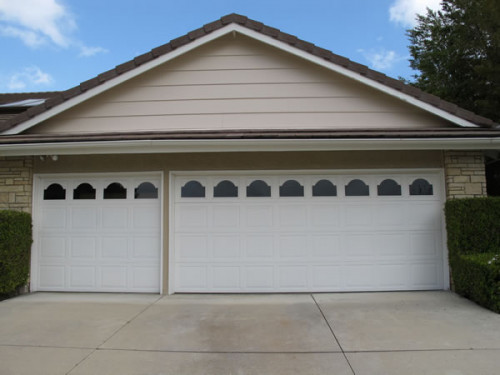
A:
(40, 22)
(381, 59)
(404, 12)
(28, 77)
(86, 51)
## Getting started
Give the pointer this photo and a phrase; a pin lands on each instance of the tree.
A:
(457, 53)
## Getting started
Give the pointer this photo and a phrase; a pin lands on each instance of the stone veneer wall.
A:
(16, 183)
(465, 174)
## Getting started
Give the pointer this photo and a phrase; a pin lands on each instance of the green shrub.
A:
(477, 277)
(15, 249)
(473, 225)
(473, 228)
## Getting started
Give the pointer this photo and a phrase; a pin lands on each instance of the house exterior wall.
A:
(465, 174)
(16, 183)
(239, 83)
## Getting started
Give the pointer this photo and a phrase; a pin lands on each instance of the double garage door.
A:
(273, 232)
(240, 232)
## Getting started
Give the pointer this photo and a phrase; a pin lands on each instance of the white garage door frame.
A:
(38, 187)
(436, 173)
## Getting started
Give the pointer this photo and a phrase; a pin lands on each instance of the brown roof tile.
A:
(57, 98)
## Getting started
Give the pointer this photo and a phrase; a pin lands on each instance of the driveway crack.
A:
(333, 333)
(114, 333)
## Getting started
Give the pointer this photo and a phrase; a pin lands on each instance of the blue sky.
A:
(56, 44)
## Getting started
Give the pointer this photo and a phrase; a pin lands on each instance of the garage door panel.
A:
(292, 216)
(260, 246)
(115, 217)
(226, 277)
(259, 216)
(86, 242)
(82, 277)
(226, 247)
(113, 277)
(259, 277)
(84, 218)
(192, 247)
(191, 277)
(358, 215)
(83, 248)
(114, 248)
(192, 218)
(53, 247)
(386, 240)
(326, 247)
(225, 217)
(53, 218)
(325, 216)
(293, 277)
(145, 278)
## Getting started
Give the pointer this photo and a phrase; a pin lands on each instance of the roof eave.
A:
(246, 145)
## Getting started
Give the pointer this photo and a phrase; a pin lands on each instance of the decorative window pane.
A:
(193, 189)
(258, 188)
(54, 192)
(146, 190)
(421, 187)
(389, 187)
(324, 188)
(115, 191)
(357, 188)
(84, 191)
(291, 188)
(225, 189)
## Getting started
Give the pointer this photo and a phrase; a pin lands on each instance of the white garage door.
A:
(96, 233)
(302, 232)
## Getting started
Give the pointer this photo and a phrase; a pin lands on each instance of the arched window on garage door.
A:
(357, 188)
(193, 189)
(54, 192)
(115, 190)
(291, 188)
(146, 190)
(324, 188)
(225, 189)
(84, 191)
(389, 187)
(258, 188)
(421, 187)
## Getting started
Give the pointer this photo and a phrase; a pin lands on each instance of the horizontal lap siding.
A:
(238, 84)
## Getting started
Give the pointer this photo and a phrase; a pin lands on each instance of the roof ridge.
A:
(257, 26)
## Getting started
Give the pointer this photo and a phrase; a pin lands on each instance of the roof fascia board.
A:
(240, 145)
(232, 28)
(118, 80)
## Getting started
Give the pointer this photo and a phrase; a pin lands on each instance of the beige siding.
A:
(238, 83)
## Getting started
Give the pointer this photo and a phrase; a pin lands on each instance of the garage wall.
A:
(235, 161)
(16, 181)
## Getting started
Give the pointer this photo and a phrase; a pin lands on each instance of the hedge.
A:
(473, 225)
(473, 228)
(15, 249)
(477, 277)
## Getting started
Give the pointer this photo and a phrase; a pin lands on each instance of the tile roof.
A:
(61, 97)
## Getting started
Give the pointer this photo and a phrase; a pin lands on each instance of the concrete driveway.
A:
(355, 333)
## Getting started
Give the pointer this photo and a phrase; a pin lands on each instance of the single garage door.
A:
(296, 232)
(97, 233)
